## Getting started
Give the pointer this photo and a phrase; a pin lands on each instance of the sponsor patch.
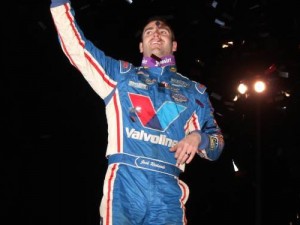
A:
(152, 138)
(179, 97)
(179, 83)
(125, 64)
(173, 69)
(213, 142)
(149, 81)
(201, 88)
(150, 117)
(138, 85)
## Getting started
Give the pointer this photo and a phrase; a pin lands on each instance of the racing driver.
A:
(158, 121)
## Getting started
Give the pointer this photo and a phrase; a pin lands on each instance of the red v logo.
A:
(159, 119)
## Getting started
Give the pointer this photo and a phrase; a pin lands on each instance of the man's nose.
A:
(156, 33)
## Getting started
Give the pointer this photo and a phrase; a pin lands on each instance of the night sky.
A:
(55, 129)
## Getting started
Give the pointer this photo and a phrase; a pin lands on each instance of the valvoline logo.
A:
(158, 119)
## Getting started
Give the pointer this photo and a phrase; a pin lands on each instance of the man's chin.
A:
(157, 52)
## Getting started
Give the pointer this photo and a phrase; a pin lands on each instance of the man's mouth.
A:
(155, 43)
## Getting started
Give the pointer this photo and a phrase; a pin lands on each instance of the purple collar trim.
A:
(168, 60)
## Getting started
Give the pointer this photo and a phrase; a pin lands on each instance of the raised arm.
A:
(99, 70)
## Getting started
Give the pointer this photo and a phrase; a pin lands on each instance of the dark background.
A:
(54, 136)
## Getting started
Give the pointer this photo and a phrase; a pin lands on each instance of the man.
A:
(158, 121)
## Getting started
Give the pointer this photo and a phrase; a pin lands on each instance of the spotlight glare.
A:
(242, 88)
(259, 86)
(236, 169)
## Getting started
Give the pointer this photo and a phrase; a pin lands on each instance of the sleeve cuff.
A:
(204, 141)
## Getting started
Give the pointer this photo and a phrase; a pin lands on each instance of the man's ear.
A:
(174, 46)
(141, 47)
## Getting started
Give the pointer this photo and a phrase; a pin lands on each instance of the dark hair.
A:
(163, 19)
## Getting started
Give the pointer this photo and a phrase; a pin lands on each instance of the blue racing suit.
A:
(148, 110)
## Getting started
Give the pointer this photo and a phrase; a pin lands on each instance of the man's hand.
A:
(186, 149)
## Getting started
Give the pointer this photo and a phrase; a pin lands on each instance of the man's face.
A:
(157, 39)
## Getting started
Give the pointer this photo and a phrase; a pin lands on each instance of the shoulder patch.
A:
(200, 88)
(125, 66)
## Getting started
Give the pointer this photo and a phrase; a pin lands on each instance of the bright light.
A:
(227, 44)
(242, 88)
(286, 94)
(214, 4)
(259, 86)
(236, 169)
(220, 22)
